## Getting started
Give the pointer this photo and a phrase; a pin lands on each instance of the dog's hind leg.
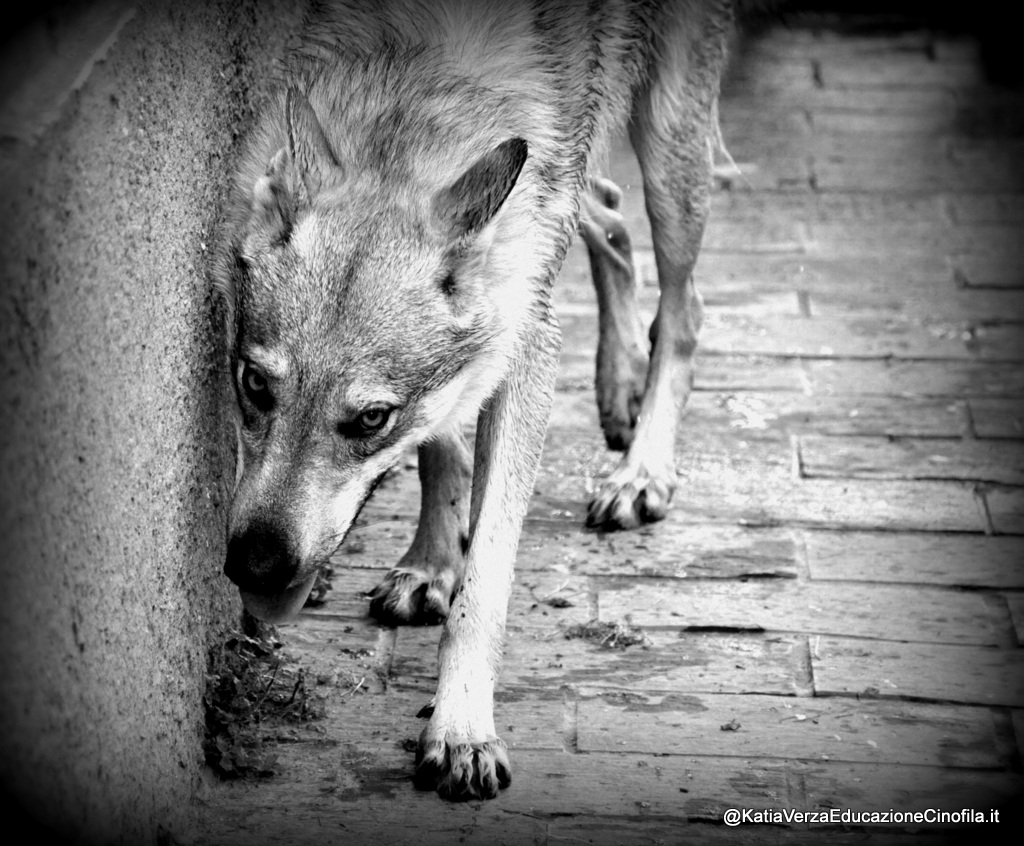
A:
(420, 589)
(460, 754)
(622, 346)
(673, 130)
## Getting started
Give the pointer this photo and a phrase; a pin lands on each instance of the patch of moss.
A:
(252, 687)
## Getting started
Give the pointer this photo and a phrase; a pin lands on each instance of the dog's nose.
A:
(259, 561)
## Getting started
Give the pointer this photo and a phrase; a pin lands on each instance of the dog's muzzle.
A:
(261, 564)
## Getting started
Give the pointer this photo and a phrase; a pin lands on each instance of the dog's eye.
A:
(367, 423)
(255, 387)
(254, 381)
(373, 419)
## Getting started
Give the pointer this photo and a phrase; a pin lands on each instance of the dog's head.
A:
(356, 329)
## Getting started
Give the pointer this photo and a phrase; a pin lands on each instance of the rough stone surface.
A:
(114, 456)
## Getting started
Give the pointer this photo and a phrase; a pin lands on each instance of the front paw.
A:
(630, 497)
(410, 596)
(460, 769)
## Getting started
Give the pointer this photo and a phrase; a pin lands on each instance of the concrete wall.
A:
(117, 128)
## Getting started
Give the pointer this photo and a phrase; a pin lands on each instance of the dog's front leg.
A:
(460, 754)
(420, 588)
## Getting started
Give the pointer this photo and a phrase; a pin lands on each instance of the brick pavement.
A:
(833, 611)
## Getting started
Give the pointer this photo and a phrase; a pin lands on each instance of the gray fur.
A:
(399, 213)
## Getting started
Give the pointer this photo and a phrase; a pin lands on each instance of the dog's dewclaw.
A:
(461, 771)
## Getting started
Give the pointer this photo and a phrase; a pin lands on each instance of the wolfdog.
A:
(400, 210)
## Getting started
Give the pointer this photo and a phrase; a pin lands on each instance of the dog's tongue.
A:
(279, 608)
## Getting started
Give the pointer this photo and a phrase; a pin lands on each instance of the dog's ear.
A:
(308, 147)
(298, 171)
(468, 205)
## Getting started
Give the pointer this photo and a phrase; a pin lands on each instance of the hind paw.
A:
(620, 391)
(460, 770)
(409, 596)
(628, 499)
